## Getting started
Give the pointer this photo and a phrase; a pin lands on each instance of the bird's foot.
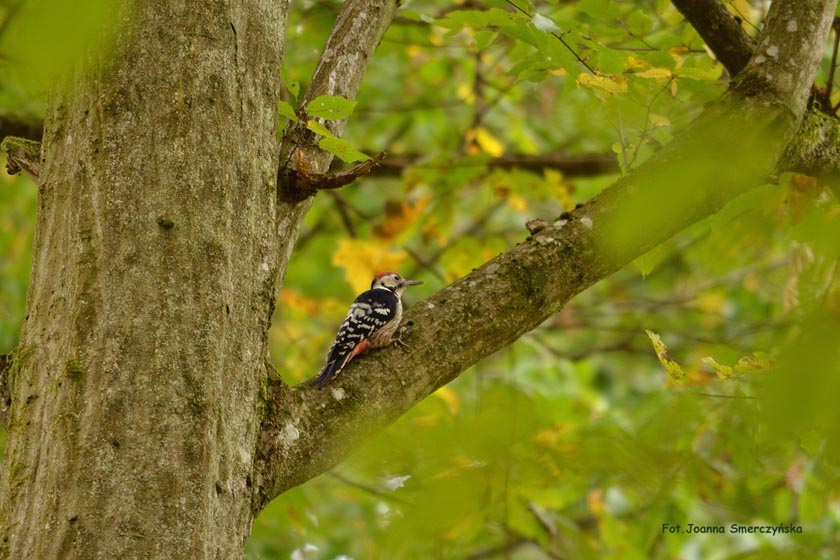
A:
(397, 341)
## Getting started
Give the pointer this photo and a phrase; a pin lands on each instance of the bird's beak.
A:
(413, 282)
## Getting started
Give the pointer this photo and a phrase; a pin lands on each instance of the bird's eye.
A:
(397, 277)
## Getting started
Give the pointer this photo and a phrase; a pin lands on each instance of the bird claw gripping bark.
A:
(398, 341)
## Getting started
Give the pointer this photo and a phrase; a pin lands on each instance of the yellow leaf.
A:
(362, 259)
(673, 88)
(414, 51)
(741, 9)
(724, 372)
(655, 73)
(563, 190)
(432, 232)
(614, 84)
(448, 396)
(296, 301)
(488, 142)
(427, 421)
(633, 63)
(465, 92)
(517, 203)
(674, 370)
(710, 302)
(659, 120)
(757, 362)
(835, 98)
(595, 501)
(399, 216)
(551, 436)
(676, 55)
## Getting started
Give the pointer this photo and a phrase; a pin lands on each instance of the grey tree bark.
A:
(143, 421)
(135, 391)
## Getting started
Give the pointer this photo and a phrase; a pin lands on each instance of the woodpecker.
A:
(371, 323)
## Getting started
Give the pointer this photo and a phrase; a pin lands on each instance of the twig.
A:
(303, 184)
(369, 489)
(341, 206)
(833, 68)
(571, 165)
(559, 38)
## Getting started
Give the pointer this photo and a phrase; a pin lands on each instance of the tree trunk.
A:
(136, 385)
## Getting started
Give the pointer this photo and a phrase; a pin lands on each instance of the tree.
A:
(167, 218)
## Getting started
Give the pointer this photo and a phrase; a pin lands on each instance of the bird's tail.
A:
(331, 369)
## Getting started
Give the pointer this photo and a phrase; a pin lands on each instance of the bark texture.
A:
(135, 395)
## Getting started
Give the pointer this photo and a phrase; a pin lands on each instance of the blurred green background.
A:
(587, 435)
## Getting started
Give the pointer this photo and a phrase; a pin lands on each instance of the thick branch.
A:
(513, 293)
(571, 165)
(721, 31)
(816, 147)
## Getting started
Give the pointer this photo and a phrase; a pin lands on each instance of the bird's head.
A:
(392, 281)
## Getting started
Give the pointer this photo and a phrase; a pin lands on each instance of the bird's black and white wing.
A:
(372, 310)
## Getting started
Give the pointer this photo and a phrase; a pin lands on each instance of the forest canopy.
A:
(696, 385)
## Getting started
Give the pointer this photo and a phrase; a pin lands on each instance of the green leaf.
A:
(342, 149)
(694, 73)
(330, 107)
(600, 10)
(287, 111)
(291, 84)
(318, 128)
(647, 262)
(639, 22)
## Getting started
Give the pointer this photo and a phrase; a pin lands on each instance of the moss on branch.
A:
(22, 154)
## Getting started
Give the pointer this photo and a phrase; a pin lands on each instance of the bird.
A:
(371, 322)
